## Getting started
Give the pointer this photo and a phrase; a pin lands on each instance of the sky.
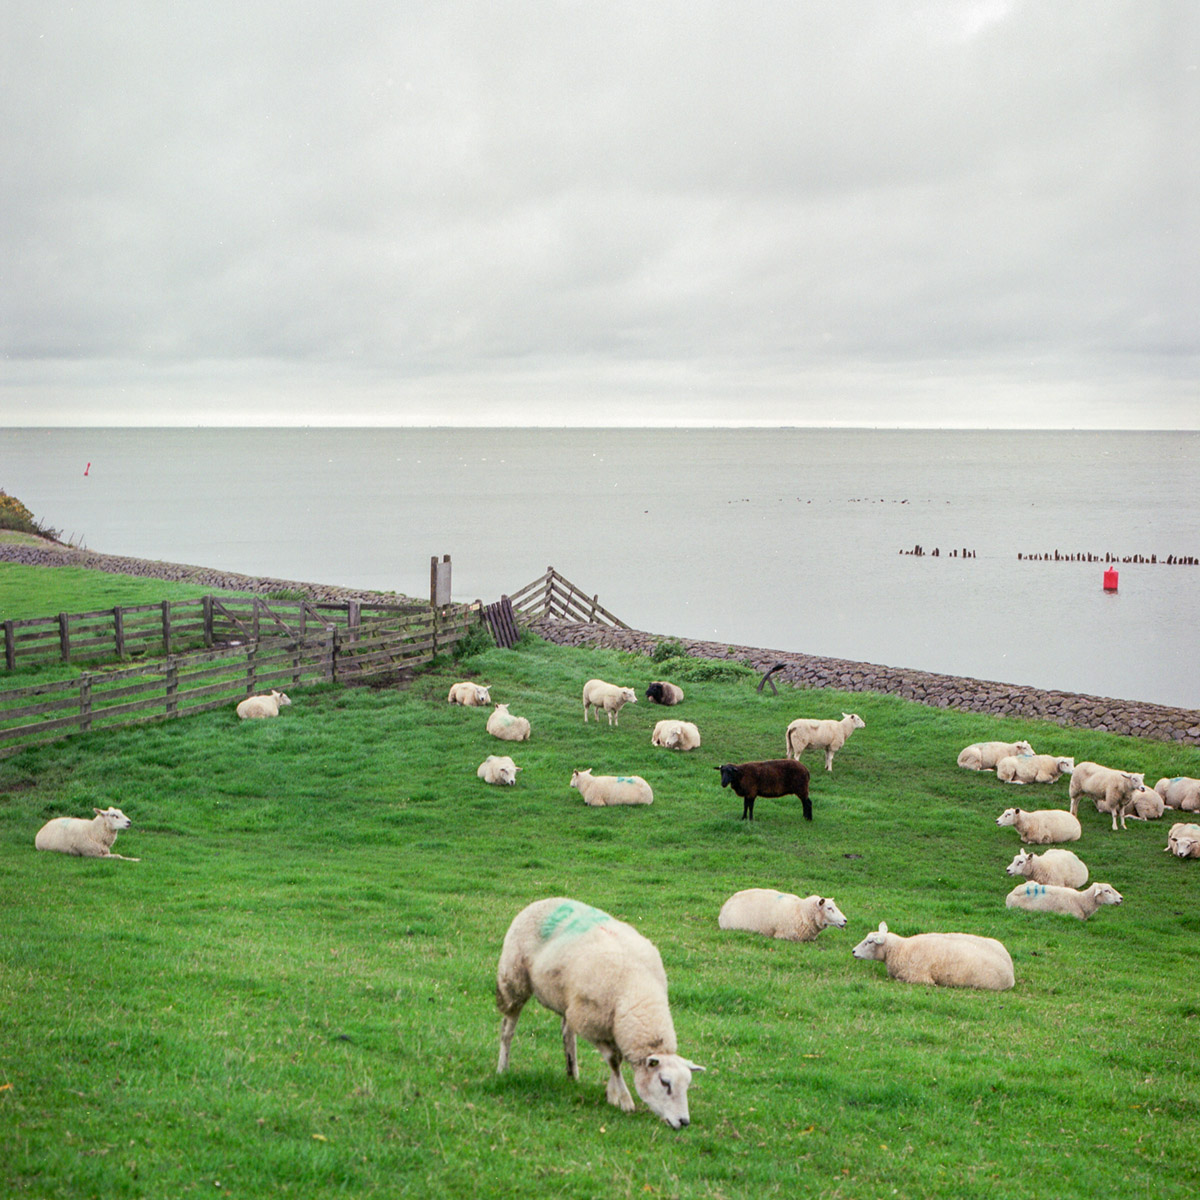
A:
(558, 212)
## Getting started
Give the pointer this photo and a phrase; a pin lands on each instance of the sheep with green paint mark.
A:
(503, 725)
(1046, 897)
(604, 791)
(1181, 792)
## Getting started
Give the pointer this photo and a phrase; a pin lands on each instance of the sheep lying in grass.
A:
(262, 706)
(1046, 897)
(1043, 825)
(983, 756)
(473, 695)
(1059, 867)
(607, 983)
(675, 735)
(827, 735)
(503, 725)
(1033, 768)
(605, 791)
(661, 692)
(771, 777)
(84, 838)
(1181, 792)
(1148, 805)
(1112, 790)
(1184, 840)
(498, 769)
(599, 695)
(941, 959)
(779, 914)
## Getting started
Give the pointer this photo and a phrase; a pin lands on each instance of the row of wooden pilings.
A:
(1173, 560)
(920, 552)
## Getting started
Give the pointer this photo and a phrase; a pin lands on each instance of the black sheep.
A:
(772, 777)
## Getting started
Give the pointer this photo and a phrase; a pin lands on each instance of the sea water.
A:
(789, 539)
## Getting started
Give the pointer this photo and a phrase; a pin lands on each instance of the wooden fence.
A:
(554, 596)
(183, 684)
(175, 626)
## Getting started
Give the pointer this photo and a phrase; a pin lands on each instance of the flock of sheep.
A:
(607, 982)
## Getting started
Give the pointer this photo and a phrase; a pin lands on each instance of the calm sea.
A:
(786, 539)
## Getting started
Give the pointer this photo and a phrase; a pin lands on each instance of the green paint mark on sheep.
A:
(570, 919)
(1035, 889)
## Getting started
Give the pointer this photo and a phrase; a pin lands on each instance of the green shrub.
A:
(15, 516)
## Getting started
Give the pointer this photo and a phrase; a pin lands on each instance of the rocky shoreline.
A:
(1105, 715)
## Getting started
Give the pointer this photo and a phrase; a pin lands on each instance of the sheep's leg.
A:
(568, 1040)
(507, 1026)
(828, 759)
(748, 808)
(615, 1092)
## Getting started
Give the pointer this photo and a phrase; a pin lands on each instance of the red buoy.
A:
(1110, 580)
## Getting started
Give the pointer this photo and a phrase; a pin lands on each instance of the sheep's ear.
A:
(695, 1068)
(98, 811)
(883, 927)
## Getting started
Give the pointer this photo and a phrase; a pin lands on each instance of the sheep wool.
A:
(599, 695)
(1033, 768)
(662, 692)
(608, 984)
(675, 735)
(1046, 897)
(1060, 867)
(1042, 825)
(603, 791)
(262, 706)
(1113, 791)
(777, 914)
(983, 756)
(503, 725)
(1184, 840)
(827, 735)
(1181, 792)
(83, 838)
(940, 959)
(472, 695)
(499, 769)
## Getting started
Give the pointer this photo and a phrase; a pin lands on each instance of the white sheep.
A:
(503, 725)
(1181, 792)
(1148, 805)
(1042, 825)
(675, 735)
(827, 735)
(601, 791)
(1033, 768)
(473, 695)
(942, 959)
(983, 756)
(84, 838)
(1059, 867)
(262, 706)
(607, 983)
(1112, 790)
(599, 695)
(498, 769)
(1046, 897)
(661, 692)
(779, 914)
(1184, 840)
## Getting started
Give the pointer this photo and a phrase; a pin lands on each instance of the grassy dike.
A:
(291, 994)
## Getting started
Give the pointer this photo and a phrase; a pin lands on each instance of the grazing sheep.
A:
(605, 791)
(983, 756)
(84, 838)
(1184, 840)
(1059, 867)
(498, 769)
(1112, 790)
(771, 777)
(607, 983)
(779, 914)
(1043, 825)
(942, 959)
(1181, 792)
(503, 725)
(661, 692)
(1046, 897)
(1148, 805)
(599, 695)
(262, 706)
(675, 735)
(473, 695)
(829, 735)
(1033, 768)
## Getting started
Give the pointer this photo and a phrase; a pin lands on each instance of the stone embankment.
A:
(51, 554)
(1131, 717)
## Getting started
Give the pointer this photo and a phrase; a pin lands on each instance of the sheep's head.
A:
(1008, 817)
(1024, 748)
(729, 774)
(1066, 766)
(280, 698)
(874, 945)
(654, 691)
(856, 722)
(1185, 847)
(1020, 863)
(1105, 893)
(578, 776)
(662, 1081)
(501, 710)
(629, 695)
(483, 694)
(114, 818)
(830, 913)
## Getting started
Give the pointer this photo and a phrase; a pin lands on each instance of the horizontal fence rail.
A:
(184, 684)
(557, 597)
(176, 626)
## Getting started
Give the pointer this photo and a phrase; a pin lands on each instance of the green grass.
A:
(27, 591)
(291, 994)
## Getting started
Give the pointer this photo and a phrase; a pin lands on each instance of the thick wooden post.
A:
(548, 599)
(85, 703)
(353, 618)
(294, 647)
(251, 667)
(10, 646)
(329, 658)
(172, 687)
(64, 636)
(166, 626)
(119, 630)
(208, 622)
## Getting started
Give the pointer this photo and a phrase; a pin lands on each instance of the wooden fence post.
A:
(547, 600)
(251, 668)
(208, 622)
(353, 618)
(119, 630)
(10, 646)
(64, 636)
(85, 703)
(166, 626)
(295, 649)
(329, 658)
(172, 687)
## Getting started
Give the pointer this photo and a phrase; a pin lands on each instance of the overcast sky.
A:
(978, 212)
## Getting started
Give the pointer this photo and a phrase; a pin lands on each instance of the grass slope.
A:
(291, 994)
